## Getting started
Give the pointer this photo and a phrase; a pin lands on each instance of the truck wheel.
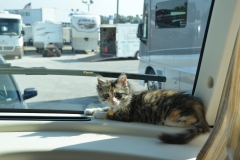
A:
(137, 55)
(153, 85)
(40, 50)
(58, 53)
(44, 54)
(73, 50)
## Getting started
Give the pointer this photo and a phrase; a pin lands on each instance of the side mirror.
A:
(29, 93)
(140, 33)
(23, 32)
(140, 30)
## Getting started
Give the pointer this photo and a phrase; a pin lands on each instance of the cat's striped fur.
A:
(164, 107)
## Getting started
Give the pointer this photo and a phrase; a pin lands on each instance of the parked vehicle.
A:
(51, 50)
(45, 33)
(66, 35)
(171, 41)
(84, 32)
(10, 94)
(28, 35)
(11, 35)
(119, 40)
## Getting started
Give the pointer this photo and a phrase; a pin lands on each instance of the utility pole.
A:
(117, 18)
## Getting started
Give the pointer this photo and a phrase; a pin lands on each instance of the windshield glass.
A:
(10, 27)
(99, 36)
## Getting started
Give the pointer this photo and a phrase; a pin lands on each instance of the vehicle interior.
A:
(29, 135)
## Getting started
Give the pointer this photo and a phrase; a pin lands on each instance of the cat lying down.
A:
(164, 107)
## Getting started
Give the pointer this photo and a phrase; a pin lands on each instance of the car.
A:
(10, 94)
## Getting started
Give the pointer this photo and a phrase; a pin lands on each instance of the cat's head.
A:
(114, 93)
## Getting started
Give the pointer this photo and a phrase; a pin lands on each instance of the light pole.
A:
(117, 13)
(88, 3)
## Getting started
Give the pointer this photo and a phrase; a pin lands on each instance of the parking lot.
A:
(69, 92)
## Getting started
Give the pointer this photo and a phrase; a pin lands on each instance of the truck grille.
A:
(7, 48)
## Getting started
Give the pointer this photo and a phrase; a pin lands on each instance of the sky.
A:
(100, 7)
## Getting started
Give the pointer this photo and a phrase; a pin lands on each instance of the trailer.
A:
(28, 36)
(66, 35)
(45, 33)
(119, 40)
(84, 32)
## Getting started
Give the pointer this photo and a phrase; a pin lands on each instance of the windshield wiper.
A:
(8, 69)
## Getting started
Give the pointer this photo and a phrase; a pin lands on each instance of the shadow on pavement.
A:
(112, 59)
(75, 104)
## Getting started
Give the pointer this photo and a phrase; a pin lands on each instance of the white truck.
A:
(66, 35)
(119, 40)
(11, 34)
(84, 32)
(28, 36)
(172, 35)
(45, 33)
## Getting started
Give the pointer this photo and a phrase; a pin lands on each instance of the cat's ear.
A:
(122, 79)
(101, 81)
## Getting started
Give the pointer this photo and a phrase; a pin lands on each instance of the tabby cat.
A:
(165, 107)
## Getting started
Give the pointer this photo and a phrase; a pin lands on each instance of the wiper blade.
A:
(8, 69)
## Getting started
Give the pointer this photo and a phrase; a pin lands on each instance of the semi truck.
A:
(171, 38)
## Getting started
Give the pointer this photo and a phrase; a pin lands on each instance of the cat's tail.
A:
(186, 136)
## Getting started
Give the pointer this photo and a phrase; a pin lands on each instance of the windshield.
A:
(64, 53)
(10, 27)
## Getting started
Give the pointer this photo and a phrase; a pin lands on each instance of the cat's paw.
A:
(100, 115)
(89, 111)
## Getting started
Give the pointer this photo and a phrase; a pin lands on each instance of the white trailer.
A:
(11, 39)
(45, 33)
(84, 32)
(172, 35)
(28, 36)
(119, 40)
(66, 35)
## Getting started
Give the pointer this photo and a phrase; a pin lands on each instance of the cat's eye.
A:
(106, 96)
(118, 95)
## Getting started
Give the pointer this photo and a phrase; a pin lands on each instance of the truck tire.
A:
(137, 55)
(44, 54)
(73, 50)
(58, 52)
(153, 85)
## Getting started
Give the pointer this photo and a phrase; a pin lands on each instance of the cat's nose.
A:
(112, 101)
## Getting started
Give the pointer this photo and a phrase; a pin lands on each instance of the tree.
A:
(104, 20)
(121, 19)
